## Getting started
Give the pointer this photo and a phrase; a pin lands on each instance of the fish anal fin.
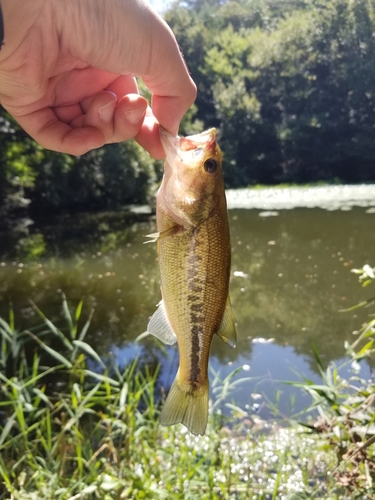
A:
(190, 408)
(227, 329)
(159, 326)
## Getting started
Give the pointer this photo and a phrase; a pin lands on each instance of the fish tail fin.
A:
(189, 408)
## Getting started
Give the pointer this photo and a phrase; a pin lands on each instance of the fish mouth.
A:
(206, 139)
(172, 144)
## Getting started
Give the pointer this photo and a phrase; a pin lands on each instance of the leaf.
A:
(78, 310)
(123, 395)
(43, 397)
(102, 378)
(59, 357)
(365, 348)
(239, 411)
(89, 350)
(6, 327)
(82, 335)
(11, 318)
(6, 335)
(7, 428)
(360, 304)
(67, 315)
(318, 360)
(52, 327)
(89, 489)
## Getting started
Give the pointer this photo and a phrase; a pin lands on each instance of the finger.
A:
(169, 81)
(68, 113)
(117, 123)
(123, 85)
(99, 113)
(170, 110)
(148, 136)
(44, 126)
(93, 110)
(128, 117)
(145, 47)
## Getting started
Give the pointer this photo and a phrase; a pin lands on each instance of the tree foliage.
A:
(288, 83)
(34, 180)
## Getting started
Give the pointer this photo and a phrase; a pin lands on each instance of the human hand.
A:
(67, 73)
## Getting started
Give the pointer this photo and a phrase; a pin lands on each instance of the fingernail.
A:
(136, 115)
(106, 111)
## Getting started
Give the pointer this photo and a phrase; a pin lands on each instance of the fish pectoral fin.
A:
(171, 231)
(227, 329)
(189, 408)
(159, 326)
(154, 238)
(168, 232)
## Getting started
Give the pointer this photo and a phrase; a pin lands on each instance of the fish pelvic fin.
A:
(159, 326)
(190, 408)
(227, 329)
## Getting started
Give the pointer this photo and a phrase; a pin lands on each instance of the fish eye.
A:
(211, 165)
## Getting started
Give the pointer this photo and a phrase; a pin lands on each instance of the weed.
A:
(347, 408)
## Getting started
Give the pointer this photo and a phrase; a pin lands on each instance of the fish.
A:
(194, 254)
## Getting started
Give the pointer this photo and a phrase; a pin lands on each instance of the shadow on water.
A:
(290, 278)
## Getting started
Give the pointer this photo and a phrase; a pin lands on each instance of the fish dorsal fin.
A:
(160, 327)
(227, 330)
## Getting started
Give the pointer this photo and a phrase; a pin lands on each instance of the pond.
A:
(290, 282)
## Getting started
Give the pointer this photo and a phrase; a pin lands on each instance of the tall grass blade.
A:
(52, 327)
(86, 326)
(6, 329)
(90, 351)
(67, 315)
(7, 428)
(318, 359)
(357, 306)
(59, 357)
(102, 378)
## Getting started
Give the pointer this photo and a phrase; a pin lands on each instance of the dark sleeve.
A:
(1, 28)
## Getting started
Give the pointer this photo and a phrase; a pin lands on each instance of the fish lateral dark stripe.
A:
(195, 308)
(195, 318)
(194, 300)
(195, 370)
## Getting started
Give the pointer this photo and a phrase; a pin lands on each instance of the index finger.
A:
(169, 81)
(139, 43)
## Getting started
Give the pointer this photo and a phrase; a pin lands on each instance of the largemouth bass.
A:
(194, 258)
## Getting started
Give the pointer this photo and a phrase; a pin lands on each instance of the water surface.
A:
(290, 279)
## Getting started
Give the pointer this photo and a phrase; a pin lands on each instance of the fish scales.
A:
(194, 270)
(194, 260)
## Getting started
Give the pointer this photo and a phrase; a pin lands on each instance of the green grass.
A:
(68, 432)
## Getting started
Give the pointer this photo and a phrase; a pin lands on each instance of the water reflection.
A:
(290, 279)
